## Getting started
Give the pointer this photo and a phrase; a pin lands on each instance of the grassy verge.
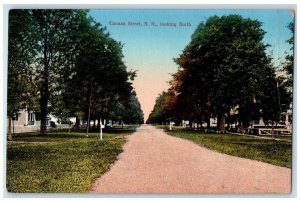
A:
(60, 162)
(287, 138)
(269, 151)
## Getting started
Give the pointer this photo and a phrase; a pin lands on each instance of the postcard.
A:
(150, 101)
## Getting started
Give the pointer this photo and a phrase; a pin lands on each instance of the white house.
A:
(28, 121)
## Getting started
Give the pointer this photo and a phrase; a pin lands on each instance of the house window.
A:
(30, 118)
(16, 117)
(48, 119)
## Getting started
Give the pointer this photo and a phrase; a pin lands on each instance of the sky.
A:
(151, 49)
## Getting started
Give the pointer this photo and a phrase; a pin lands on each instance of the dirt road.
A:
(154, 162)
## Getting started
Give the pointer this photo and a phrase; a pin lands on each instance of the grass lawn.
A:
(60, 162)
(287, 138)
(270, 151)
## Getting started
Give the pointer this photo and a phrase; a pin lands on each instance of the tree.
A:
(51, 42)
(274, 100)
(186, 103)
(279, 91)
(286, 74)
(289, 64)
(225, 66)
(133, 113)
(159, 114)
(99, 84)
(71, 59)
(21, 53)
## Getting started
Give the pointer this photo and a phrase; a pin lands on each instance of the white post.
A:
(170, 127)
(101, 134)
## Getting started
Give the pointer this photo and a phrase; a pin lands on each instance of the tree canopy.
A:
(225, 67)
(65, 63)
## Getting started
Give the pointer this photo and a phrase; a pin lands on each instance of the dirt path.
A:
(154, 162)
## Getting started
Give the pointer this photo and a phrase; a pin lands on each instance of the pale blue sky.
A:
(151, 50)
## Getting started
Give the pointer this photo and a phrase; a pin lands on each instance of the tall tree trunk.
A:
(13, 123)
(89, 111)
(44, 90)
(221, 122)
(272, 131)
(190, 123)
(208, 122)
(9, 129)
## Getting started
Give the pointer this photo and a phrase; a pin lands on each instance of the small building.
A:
(27, 121)
(30, 121)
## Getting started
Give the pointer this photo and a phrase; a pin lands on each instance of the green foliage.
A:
(99, 84)
(288, 64)
(269, 151)
(225, 66)
(133, 113)
(21, 53)
(228, 55)
(158, 114)
(164, 108)
(65, 59)
(60, 162)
